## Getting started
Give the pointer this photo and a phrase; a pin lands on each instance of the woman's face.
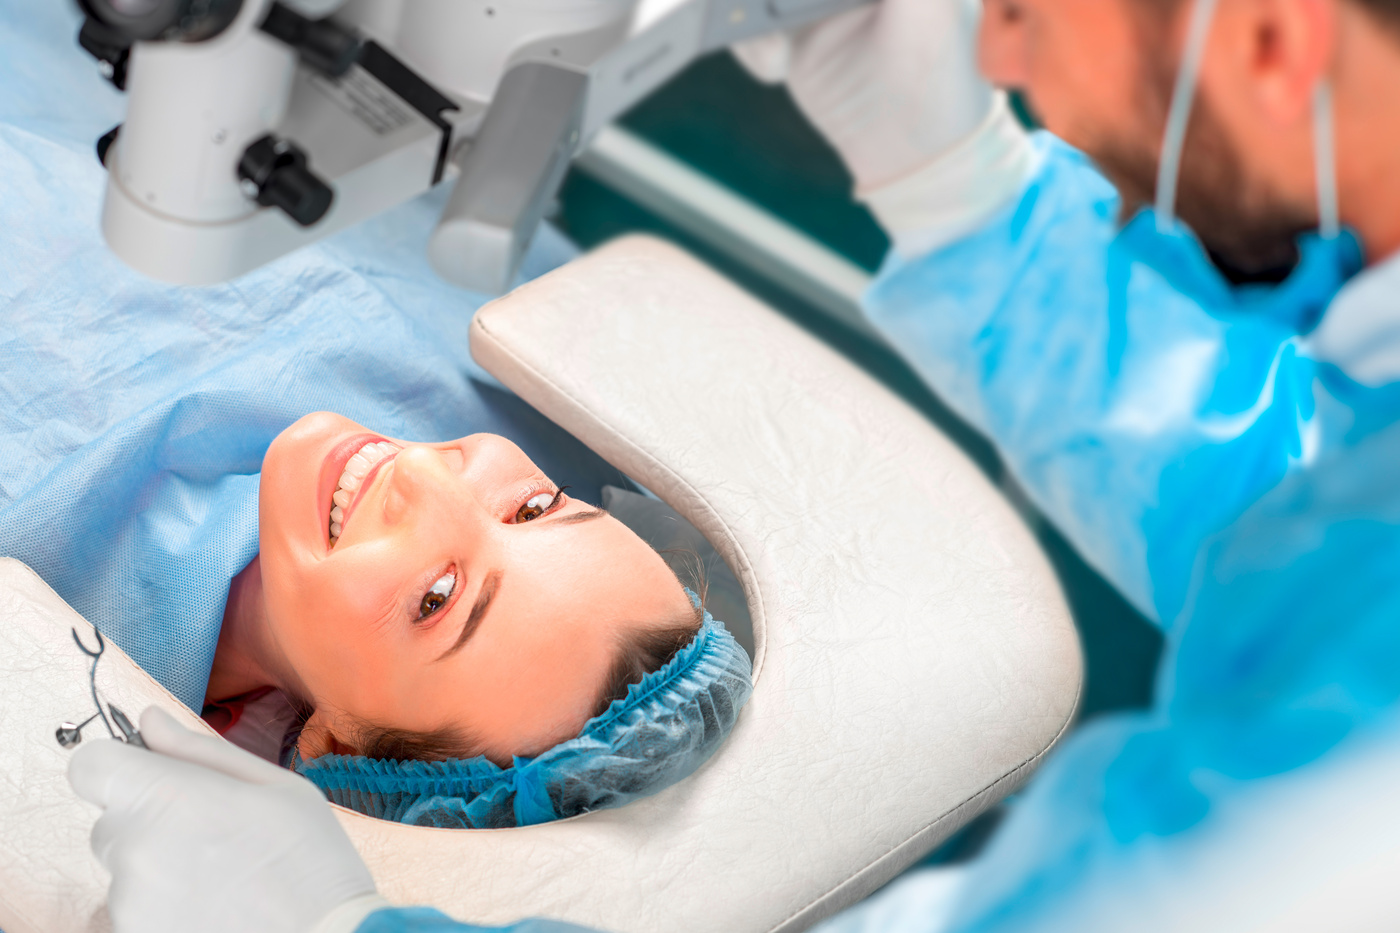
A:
(464, 592)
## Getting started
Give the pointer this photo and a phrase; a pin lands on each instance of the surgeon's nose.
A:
(1002, 47)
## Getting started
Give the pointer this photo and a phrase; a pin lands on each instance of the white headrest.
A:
(915, 657)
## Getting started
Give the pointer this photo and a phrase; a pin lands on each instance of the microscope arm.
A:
(261, 129)
(543, 115)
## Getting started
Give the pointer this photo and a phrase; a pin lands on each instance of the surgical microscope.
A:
(255, 127)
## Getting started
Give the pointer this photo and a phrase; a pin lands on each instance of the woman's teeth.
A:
(355, 472)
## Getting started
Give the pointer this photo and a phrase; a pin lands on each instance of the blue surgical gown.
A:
(1240, 492)
(1286, 660)
(134, 415)
(1140, 400)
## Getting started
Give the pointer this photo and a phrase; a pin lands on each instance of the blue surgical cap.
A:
(669, 723)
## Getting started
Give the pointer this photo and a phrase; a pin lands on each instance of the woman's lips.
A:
(331, 470)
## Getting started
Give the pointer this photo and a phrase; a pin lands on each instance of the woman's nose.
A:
(420, 479)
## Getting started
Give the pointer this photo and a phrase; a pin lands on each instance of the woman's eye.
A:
(437, 595)
(536, 506)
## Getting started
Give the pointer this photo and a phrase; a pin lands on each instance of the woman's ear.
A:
(319, 737)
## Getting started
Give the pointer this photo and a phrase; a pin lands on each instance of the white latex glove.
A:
(894, 86)
(200, 835)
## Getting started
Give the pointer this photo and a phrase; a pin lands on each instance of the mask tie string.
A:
(1179, 114)
(1329, 225)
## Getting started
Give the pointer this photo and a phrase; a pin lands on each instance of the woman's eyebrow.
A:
(483, 603)
(493, 582)
(573, 518)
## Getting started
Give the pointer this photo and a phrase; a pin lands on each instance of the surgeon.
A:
(1145, 311)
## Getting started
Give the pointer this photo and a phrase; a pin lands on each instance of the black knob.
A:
(275, 173)
(111, 49)
(322, 43)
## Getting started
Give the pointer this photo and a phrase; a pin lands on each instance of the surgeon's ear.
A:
(1286, 47)
(318, 737)
(1002, 52)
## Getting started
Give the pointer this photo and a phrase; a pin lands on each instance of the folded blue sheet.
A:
(134, 415)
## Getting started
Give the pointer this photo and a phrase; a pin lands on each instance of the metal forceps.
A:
(70, 734)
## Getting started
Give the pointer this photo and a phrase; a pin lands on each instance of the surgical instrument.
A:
(69, 734)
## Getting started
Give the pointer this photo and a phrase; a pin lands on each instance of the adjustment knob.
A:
(275, 173)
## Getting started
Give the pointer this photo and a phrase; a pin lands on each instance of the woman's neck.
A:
(245, 658)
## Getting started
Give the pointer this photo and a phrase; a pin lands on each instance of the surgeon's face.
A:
(1099, 74)
(464, 592)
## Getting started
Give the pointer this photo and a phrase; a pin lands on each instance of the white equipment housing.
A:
(498, 94)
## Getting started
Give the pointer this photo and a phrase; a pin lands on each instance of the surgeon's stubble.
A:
(1249, 230)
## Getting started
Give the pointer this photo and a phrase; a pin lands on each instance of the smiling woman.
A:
(449, 603)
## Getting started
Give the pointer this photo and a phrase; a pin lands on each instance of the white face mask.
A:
(1179, 116)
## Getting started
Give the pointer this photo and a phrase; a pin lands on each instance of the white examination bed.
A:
(915, 659)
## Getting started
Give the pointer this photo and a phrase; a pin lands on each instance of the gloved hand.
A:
(894, 86)
(200, 835)
(890, 85)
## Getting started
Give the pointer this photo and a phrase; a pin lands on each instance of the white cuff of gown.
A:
(348, 916)
(960, 190)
